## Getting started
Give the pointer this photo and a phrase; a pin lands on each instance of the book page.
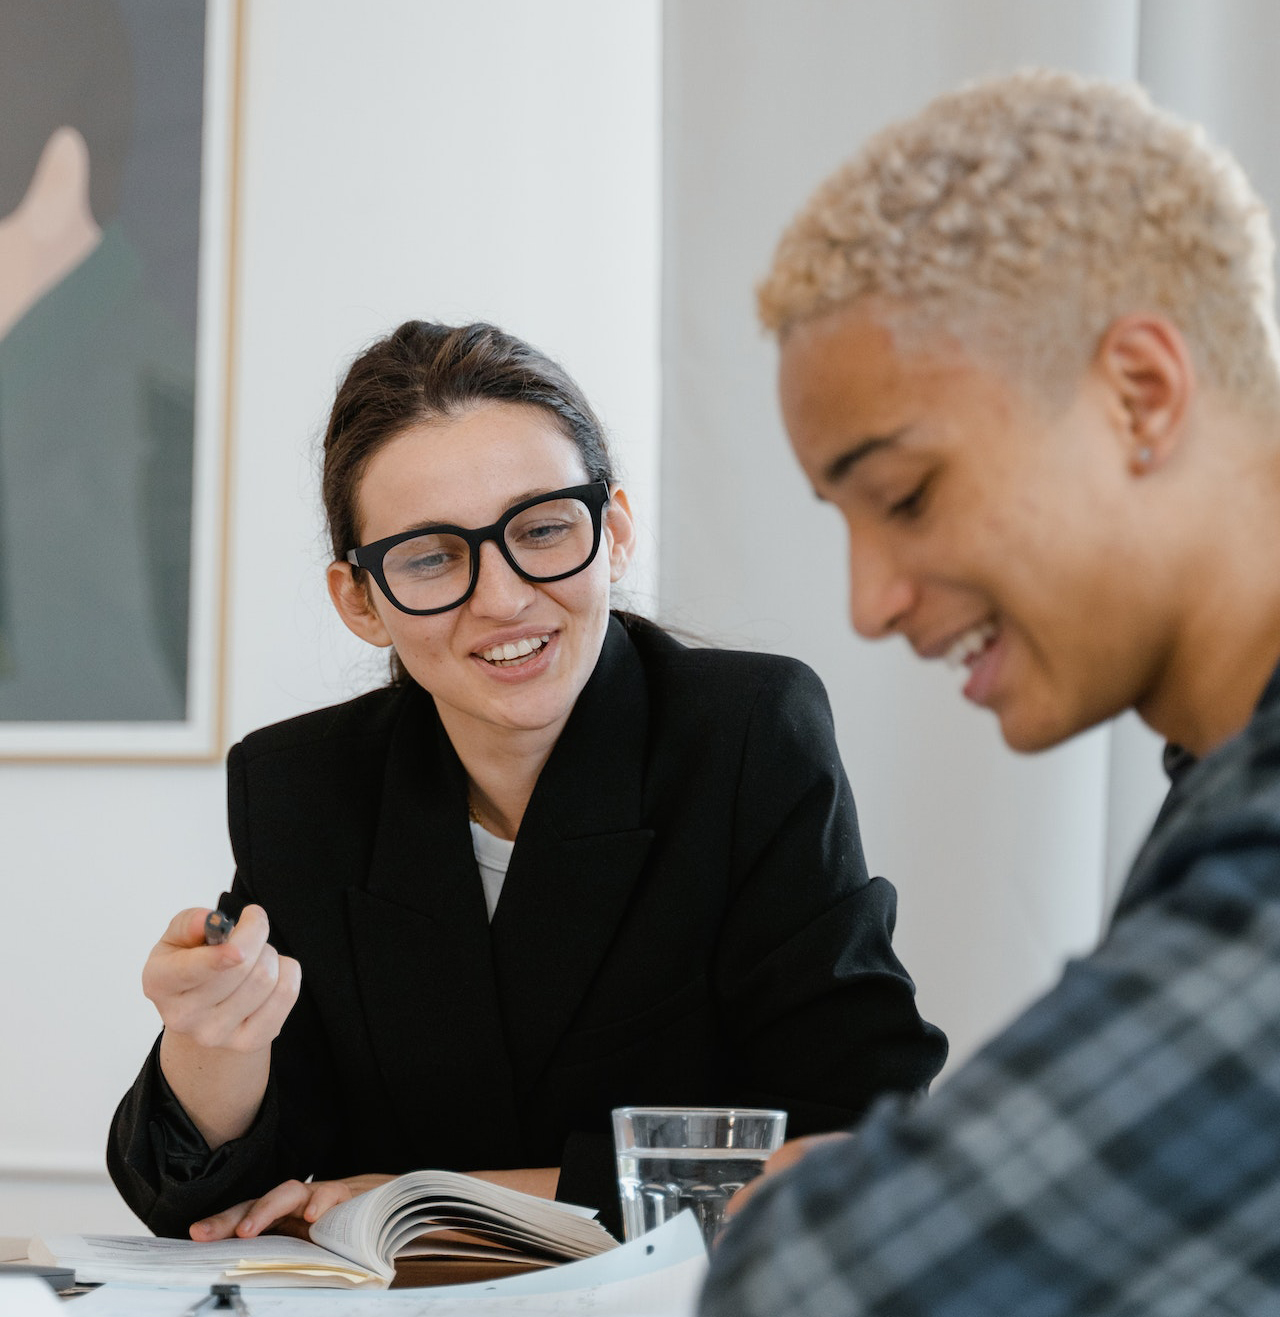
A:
(148, 1260)
(370, 1227)
(658, 1275)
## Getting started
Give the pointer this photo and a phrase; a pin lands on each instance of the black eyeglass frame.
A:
(370, 556)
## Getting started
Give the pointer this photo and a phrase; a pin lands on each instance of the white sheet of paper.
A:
(28, 1296)
(127, 1258)
(657, 1275)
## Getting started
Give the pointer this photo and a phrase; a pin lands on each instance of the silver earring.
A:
(1144, 456)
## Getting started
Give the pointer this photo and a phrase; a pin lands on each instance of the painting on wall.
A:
(117, 173)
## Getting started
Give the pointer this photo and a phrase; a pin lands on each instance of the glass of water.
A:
(670, 1158)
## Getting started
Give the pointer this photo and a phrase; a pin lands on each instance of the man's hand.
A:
(786, 1156)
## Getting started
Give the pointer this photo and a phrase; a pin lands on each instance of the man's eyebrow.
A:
(839, 467)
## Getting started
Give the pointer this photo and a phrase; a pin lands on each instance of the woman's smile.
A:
(511, 653)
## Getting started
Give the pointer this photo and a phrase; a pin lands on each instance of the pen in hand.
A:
(217, 928)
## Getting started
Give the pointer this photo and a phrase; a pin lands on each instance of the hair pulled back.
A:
(424, 371)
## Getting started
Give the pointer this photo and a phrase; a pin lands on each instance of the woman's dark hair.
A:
(423, 372)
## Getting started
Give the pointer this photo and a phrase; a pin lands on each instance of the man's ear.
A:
(1146, 363)
(351, 599)
(620, 533)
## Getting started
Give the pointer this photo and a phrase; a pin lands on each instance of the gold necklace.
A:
(473, 813)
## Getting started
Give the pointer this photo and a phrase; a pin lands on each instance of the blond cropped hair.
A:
(1025, 214)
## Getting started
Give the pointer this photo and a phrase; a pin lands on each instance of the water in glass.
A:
(657, 1183)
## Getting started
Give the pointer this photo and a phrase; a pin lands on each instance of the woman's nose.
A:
(500, 592)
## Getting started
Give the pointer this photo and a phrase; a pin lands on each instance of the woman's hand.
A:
(288, 1209)
(222, 1007)
(230, 997)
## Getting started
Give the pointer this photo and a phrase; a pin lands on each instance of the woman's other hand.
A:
(288, 1209)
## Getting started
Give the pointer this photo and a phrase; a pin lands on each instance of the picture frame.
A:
(133, 578)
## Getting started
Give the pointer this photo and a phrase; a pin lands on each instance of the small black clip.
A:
(221, 1296)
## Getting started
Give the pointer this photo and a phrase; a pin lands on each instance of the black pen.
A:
(217, 928)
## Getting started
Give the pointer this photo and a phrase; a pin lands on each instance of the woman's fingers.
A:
(289, 1207)
(254, 1014)
(180, 961)
(324, 1195)
(250, 1218)
(222, 1225)
(329, 1193)
(186, 928)
(287, 1199)
(233, 995)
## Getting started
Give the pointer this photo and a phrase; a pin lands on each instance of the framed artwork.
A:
(118, 171)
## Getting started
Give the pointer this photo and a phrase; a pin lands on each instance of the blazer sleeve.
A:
(162, 1166)
(157, 1158)
(819, 1011)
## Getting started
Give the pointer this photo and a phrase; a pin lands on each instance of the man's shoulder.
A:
(1242, 777)
(1223, 805)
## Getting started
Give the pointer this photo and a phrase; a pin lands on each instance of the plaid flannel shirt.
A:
(1116, 1150)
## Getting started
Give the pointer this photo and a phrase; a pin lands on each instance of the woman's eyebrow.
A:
(425, 523)
(535, 493)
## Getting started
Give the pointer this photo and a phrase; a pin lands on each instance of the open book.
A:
(427, 1227)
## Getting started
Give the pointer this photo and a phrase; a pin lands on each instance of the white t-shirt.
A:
(493, 855)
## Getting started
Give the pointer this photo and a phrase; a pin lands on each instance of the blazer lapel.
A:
(440, 1044)
(578, 855)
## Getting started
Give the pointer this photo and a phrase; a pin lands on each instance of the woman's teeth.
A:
(970, 645)
(516, 649)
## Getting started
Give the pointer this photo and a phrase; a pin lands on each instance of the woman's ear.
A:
(351, 599)
(620, 532)
(1146, 363)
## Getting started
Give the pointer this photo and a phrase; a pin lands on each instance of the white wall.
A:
(404, 158)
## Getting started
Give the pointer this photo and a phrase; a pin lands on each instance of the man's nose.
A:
(881, 592)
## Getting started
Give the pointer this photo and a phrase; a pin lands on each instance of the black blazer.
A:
(686, 919)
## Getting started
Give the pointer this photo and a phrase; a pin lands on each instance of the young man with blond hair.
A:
(1029, 353)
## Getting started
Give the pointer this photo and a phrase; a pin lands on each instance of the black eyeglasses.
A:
(436, 568)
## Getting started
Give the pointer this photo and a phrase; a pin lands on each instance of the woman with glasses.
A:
(560, 864)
